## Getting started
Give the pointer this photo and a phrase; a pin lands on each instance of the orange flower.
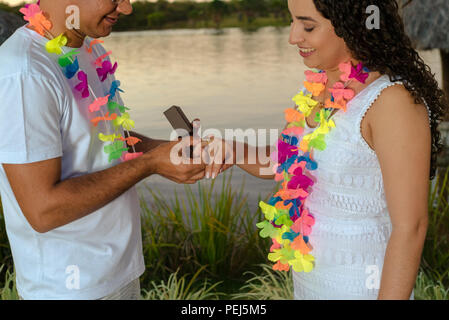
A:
(292, 115)
(301, 245)
(280, 205)
(340, 104)
(281, 267)
(314, 88)
(40, 23)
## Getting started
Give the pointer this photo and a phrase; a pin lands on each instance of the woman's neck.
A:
(333, 76)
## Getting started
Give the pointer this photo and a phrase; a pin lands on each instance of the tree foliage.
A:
(190, 14)
(163, 14)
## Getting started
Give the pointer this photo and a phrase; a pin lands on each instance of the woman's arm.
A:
(226, 154)
(255, 161)
(401, 138)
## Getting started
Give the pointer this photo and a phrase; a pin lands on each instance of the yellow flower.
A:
(54, 45)
(110, 137)
(305, 103)
(124, 121)
(268, 210)
(302, 262)
(325, 125)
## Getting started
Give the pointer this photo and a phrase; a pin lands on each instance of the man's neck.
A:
(56, 14)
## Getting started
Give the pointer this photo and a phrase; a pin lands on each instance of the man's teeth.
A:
(307, 50)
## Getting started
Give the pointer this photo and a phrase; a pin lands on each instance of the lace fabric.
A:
(352, 226)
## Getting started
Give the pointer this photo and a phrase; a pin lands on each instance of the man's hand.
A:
(170, 161)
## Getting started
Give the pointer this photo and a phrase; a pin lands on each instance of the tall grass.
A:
(8, 290)
(435, 259)
(179, 289)
(214, 229)
(6, 262)
(267, 284)
(427, 288)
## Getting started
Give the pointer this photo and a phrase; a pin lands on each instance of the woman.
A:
(370, 176)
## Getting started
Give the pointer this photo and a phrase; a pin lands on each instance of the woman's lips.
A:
(305, 55)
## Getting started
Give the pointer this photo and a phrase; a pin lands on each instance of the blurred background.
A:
(229, 63)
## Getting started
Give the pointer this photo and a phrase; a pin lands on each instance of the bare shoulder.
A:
(395, 108)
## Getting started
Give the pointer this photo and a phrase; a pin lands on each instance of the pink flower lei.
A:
(117, 149)
(287, 220)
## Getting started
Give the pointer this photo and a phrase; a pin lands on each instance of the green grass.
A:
(427, 288)
(266, 284)
(435, 260)
(179, 289)
(215, 230)
(8, 291)
(6, 262)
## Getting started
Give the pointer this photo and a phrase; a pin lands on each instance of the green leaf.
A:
(115, 150)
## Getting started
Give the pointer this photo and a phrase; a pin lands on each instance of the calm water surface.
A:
(231, 79)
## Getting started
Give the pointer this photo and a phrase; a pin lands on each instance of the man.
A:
(72, 217)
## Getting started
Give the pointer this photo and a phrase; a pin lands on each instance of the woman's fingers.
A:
(217, 163)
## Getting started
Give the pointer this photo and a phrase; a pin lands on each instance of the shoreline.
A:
(192, 31)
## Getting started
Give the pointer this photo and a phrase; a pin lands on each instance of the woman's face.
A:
(311, 31)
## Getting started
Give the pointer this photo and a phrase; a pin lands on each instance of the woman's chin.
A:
(310, 64)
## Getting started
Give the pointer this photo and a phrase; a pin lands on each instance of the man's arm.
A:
(49, 203)
(147, 144)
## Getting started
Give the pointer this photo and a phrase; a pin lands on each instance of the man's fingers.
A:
(198, 176)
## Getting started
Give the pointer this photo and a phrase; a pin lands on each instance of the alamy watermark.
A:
(73, 19)
(373, 21)
(236, 146)
(72, 281)
(373, 279)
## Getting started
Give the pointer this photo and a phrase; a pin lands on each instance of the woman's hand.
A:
(221, 156)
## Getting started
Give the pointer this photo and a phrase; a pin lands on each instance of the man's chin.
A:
(101, 33)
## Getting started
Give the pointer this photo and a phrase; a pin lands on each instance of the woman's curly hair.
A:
(388, 50)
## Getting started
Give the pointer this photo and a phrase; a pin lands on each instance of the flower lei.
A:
(287, 221)
(69, 63)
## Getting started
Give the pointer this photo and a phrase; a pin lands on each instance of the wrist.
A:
(239, 152)
(151, 162)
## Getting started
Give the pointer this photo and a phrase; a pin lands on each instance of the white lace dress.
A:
(348, 202)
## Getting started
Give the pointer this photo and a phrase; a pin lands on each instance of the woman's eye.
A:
(309, 29)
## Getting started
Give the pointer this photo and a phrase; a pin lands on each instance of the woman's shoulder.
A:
(395, 107)
(396, 99)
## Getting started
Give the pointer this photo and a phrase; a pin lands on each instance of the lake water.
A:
(230, 79)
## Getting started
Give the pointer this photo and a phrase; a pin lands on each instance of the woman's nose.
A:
(125, 7)
(295, 35)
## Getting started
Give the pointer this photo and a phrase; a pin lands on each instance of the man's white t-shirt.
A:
(42, 117)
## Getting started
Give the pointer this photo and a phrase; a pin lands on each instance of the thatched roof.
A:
(427, 23)
(9, 22)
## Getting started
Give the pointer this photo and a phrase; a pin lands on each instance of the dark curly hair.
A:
(388, 50)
